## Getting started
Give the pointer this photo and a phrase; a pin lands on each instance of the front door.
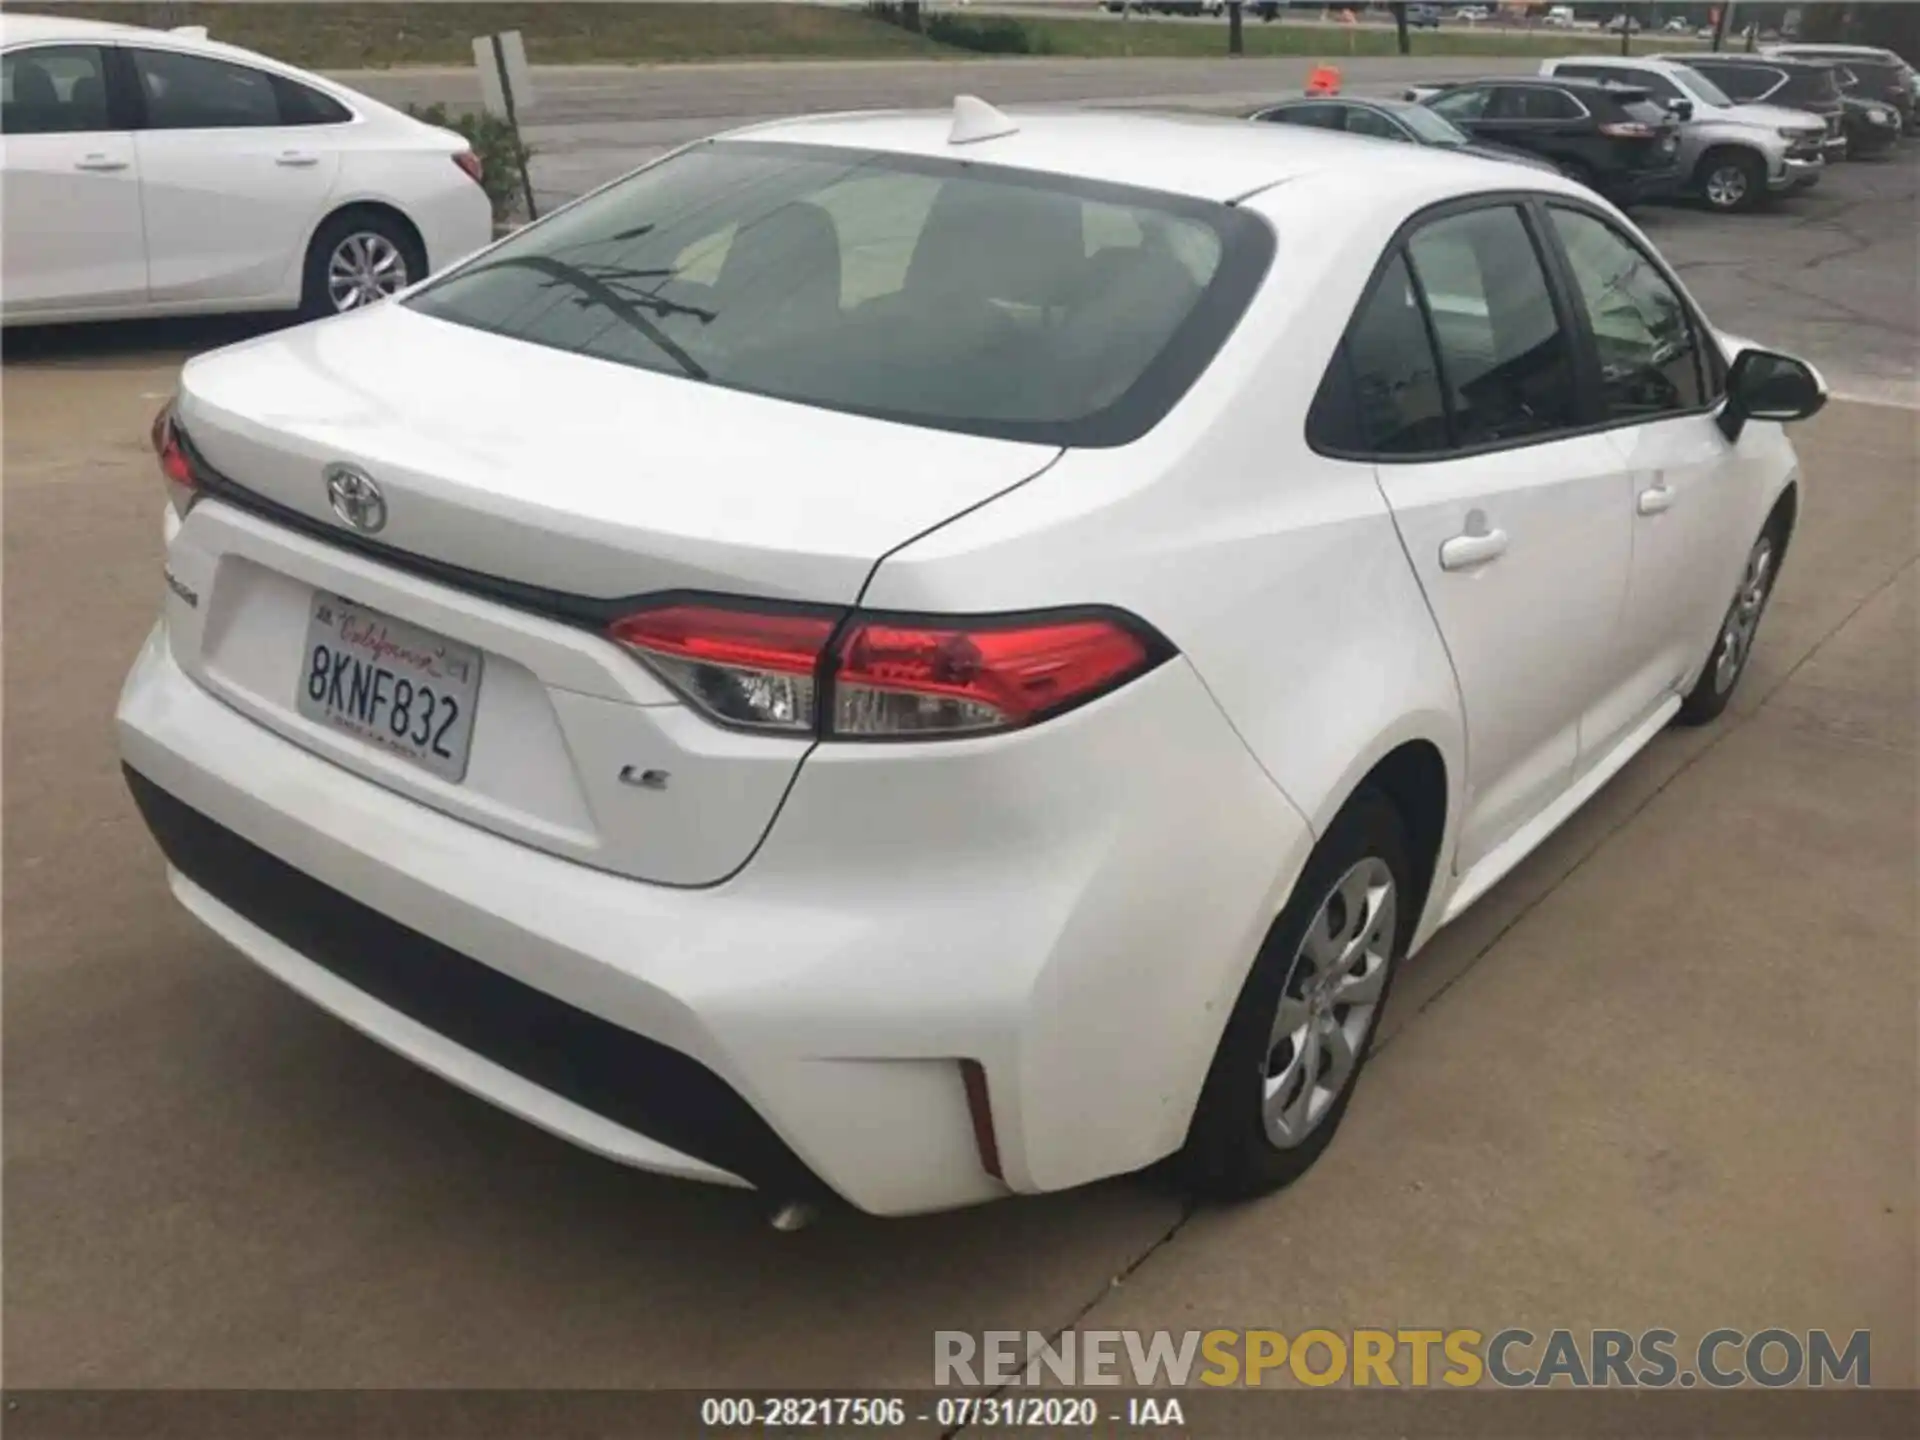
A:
(1515, 531)
(74, 239)
(1681, 483)
(232, 194)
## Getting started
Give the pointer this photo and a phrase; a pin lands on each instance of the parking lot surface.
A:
(1662, 1075)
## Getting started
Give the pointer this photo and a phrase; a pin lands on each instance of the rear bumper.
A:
(1015, 902)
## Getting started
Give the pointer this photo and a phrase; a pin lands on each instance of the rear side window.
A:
(1382, 393)
(192, 92)
(1361, 121)
(54, 90)
(1533, 102)
(1321, 117)
(1505, 360)
(303, 105)
(958, 296)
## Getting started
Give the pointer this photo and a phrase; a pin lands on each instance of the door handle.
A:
(99, 163)
(297, 159)
(1479, 546)
(1655, 499)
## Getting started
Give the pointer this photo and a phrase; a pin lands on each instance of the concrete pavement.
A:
(1663, 1074)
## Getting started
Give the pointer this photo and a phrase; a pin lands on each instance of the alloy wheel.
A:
(364, 267)
(1743, 617)
(1726, 187)
(1328, 1004)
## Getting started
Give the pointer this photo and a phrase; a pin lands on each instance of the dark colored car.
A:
(1873, 126)
(1402, 120)
(1423, 17)
(1612, 138)
(1881, 75)
(1809, 85)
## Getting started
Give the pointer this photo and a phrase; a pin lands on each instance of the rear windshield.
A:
(953, 295)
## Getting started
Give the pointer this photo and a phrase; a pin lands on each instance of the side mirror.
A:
(1682, 109)
(1765, 385)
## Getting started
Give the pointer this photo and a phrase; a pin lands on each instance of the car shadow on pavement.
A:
(109, 340)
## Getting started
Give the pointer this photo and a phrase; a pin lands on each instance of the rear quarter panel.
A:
(1277, 572)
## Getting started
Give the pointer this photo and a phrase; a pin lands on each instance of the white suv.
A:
(916, 660)
(1732, 155)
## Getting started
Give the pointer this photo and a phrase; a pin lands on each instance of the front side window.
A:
(192, 92)
(1746, 82)
(54, 90)
(958, 296)
(1649, 351)
(1458, 105)
(1506, 361)
(1702, 87)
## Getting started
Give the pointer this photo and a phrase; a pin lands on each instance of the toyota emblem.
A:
(355, 498)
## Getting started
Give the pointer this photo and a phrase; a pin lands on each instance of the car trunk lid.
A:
(524, 493)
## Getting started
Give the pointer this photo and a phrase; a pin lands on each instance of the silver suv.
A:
(1731, 155)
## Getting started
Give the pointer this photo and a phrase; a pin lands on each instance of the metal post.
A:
(1721, 21)
(513, 122)
(1236, 43)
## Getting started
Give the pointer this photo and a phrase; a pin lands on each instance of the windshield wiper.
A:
(626, 308)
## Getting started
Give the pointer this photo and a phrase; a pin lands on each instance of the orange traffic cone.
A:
(1325, 80)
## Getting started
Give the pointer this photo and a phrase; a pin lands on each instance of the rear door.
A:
(231, 191)
(74, 238)
(1513, 523)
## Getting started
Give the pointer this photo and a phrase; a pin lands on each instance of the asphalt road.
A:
(1663, 1075)
(1833, 273)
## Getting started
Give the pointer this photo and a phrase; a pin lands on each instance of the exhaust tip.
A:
(793, 1216)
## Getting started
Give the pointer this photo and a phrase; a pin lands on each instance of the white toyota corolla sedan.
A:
(918, 657)
(162, 173)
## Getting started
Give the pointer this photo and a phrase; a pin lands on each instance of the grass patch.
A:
(1162, 38)
(353, 36)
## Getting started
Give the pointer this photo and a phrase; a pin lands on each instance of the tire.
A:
(1720, 676)
(1231, 1153)
(392, 252)
(1731, 181)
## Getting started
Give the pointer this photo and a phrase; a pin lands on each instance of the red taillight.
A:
(181, 488)
(1628, 130)
(754, 668)
(471, 163)
(889, 677)
(902, 679)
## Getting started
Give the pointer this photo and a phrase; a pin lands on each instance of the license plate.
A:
(406, 690)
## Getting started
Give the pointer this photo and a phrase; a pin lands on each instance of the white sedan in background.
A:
(917, 660)
(161, 173)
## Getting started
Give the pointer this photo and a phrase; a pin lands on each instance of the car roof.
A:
(1582, 83)
(1206, 157)
(1812, 47)
(1655, 63)
(1375, 102)
(1741, 57)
